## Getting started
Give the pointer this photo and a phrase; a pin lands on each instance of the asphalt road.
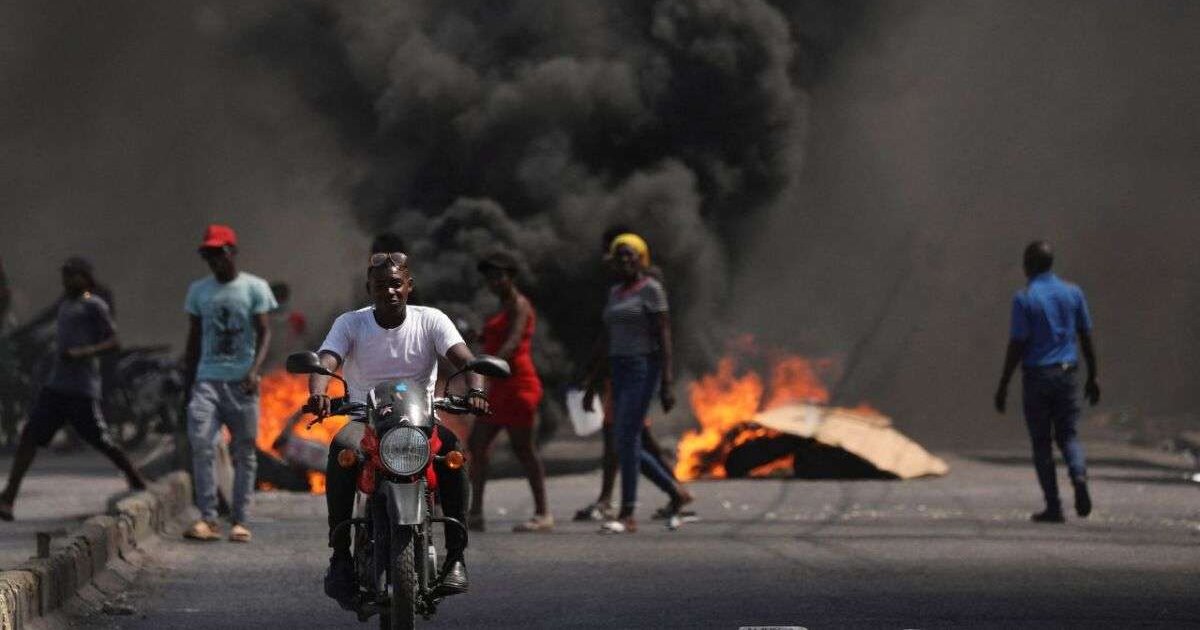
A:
(943, 553)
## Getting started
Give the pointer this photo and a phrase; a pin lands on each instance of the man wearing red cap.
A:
(228, 336)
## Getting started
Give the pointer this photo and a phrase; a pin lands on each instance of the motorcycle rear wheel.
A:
(402, 611)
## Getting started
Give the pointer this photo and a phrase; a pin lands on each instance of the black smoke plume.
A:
(534, 126)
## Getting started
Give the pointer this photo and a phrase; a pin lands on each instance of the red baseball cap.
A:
(216, 235)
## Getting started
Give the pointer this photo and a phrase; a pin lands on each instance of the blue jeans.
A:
(634, 380)
(1051, 403)
(214, 403)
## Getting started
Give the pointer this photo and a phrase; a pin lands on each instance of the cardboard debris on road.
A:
(834, 442)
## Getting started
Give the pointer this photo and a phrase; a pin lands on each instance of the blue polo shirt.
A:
(1047, 315)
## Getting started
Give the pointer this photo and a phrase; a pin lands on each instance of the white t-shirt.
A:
(373, 355)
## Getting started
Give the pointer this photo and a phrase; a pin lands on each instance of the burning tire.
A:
(402, 610)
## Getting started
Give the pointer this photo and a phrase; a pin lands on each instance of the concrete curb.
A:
(43, 585)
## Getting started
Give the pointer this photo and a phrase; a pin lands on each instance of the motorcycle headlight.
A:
(404, 450)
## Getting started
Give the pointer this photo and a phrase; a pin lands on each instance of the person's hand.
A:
(666, 395)
(589, 399)
(1001, 399)
(1091, 391)
(250, 383)
(477, 400)
(319, 406)
(76, 353)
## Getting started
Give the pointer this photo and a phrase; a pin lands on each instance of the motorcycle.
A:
(393, 553)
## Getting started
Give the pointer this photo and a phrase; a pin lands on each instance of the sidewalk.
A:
(61, 490)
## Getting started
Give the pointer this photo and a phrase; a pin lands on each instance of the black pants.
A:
(54, 409)
(340, 487)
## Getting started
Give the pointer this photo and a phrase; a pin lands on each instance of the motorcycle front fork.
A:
(372, 554)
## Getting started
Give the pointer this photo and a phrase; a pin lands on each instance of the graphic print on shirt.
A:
(225, 342)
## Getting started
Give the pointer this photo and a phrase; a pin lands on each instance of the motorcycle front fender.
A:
(405, 501)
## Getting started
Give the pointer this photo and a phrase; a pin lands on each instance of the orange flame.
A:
(281, 395)
(724, 402)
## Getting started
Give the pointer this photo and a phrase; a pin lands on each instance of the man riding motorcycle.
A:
(389, 341)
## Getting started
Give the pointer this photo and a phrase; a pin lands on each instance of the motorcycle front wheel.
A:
(402, 574)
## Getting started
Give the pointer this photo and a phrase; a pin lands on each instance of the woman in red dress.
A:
(514, 401)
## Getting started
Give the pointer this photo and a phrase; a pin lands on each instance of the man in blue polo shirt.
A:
(1048, 315)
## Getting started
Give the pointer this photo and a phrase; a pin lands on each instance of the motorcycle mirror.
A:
(488, 365)
(306, 363)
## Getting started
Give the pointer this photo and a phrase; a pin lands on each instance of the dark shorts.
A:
(54, 408)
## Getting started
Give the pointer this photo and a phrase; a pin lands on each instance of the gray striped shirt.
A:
(629, 317)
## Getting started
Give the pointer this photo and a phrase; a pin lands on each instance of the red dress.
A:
(514, 400)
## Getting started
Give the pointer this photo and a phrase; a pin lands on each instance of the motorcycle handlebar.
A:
(457, 405)
(450, 404)
(338, 407)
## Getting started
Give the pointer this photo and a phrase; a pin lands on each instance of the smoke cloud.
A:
(128, 126)
(947, 136)
(535, 126)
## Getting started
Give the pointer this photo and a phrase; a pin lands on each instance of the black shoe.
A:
(1083, 499)
(339, 581)
(1049, 515)
(454, 578)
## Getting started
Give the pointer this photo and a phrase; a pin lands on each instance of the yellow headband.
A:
(634, 242)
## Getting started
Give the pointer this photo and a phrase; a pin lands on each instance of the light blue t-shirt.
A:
(226, 313)
(1048, 315)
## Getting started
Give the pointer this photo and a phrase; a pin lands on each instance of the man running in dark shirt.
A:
(85, 330)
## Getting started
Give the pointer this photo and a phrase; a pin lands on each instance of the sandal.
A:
(204, 531)
(625, 525)
(240, 533)
(597, 511)
(536, 524)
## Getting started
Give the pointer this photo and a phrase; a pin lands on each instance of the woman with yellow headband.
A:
(637, 340)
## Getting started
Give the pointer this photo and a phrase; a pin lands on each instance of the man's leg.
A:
(340, 484)
(44, 421)
(1066, 420)
(22, 460)
(339, 502)
(241, 414)
(203, 430)
(88, 419)
(453, 489)
(1038, 422)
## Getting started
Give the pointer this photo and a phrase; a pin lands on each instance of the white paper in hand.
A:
(584, 422)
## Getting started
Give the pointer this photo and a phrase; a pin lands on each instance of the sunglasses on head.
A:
(398, 259)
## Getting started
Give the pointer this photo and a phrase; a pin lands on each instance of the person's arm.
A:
(459, 356)
(518, 316)
(1018, 336)
(1083, 324)
(262, 341)
(1012, 357)
(88, 351)
(191, 354)
(595, 369)
(1091, 389)
(666, 390)
(318, 384)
